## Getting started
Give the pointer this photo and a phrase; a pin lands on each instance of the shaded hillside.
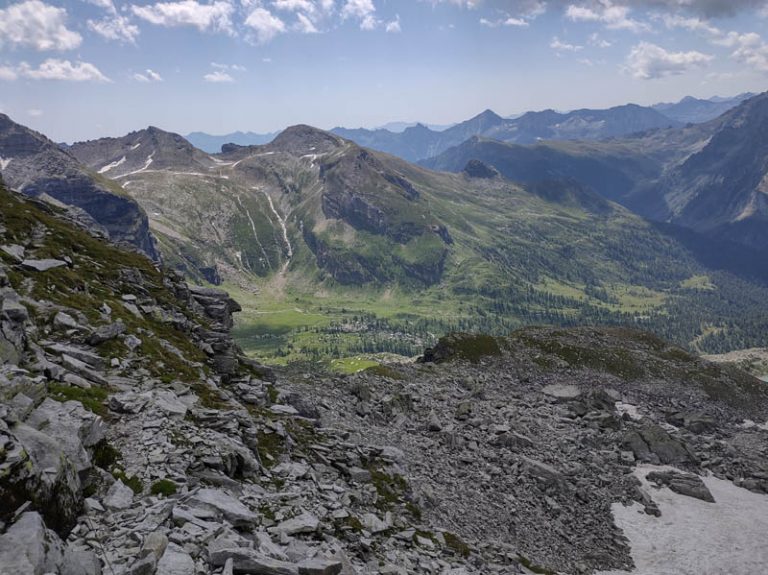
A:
(710, 178)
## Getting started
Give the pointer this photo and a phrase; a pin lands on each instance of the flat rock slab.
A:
(15, 251)
(175, 561)
(319, 566)
(251, 561)
(229, 507)
(562, 392)
(304, 523)
(118, 497)
(682, 483)
(43, 265)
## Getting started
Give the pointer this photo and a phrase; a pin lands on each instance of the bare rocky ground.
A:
(135, 438)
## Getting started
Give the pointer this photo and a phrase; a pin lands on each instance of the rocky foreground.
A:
(136, 439)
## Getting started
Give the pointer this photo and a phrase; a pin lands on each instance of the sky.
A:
(84, 69)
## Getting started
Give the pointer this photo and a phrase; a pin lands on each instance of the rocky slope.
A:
(36, 166)
(135, 439)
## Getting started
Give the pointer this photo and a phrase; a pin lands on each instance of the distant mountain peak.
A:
(304, 139)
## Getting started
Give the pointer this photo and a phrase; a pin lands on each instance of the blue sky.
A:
(81, 69)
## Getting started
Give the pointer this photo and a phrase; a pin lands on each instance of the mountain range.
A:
(639, 230)
(708, 177)
(696, 110)
(414, 141)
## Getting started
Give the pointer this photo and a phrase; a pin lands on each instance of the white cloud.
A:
(393, 27)
(8, 74)
(690, 24)
(597, 41)
(116, 27)
(748, 48)
(611, 15)
(362, 10)
(55, 69)
(233, 67)
(215, 17)
(505, 21)
(305, 25)
(294, 5)
(34, 24)
(648, 61)
(149, 75)
(34, 113)
(265, 25)
(559, 46)
(218, 77)
(106, 4)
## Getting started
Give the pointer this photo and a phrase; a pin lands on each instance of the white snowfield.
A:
(4, 162)
(112, 165)
(148, 163)
(693, 537)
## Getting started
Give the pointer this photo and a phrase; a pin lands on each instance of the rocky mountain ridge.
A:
(34, 165)
(135, 439)
(420, 143)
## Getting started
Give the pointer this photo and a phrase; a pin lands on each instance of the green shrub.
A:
(164, 487)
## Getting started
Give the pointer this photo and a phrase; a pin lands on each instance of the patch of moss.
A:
(270, 447)
(383, 371)
(164, 487)
(528, 564)
(677, 354)
(616, 361)
(104, 455)
(272, 394)
(414, 510)
(390, 489)
(455, 543)
(209, 397)
(266, 511)
(467, 346)
(133, 482)
(93, 398)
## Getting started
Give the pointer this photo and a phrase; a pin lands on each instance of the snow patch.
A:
(253, 229)
(135, 146)
(113, 165)
(148, 163)
(280, 219)
(631, 410)
(4, 162)
(694, 537)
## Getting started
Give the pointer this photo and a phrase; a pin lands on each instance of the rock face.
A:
(37, 167)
